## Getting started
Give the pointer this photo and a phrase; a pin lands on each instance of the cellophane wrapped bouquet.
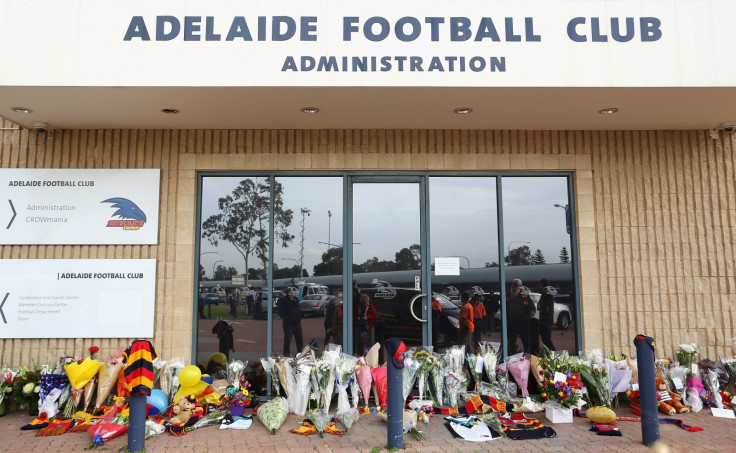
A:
(427, 363)
(560, 382)
(302, 366)
(269, 366)
(409, 374)
(345, 373)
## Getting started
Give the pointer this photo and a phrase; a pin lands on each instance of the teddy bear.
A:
(183, 410)
(669, 402)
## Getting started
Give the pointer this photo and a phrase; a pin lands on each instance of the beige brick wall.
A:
(655, 212)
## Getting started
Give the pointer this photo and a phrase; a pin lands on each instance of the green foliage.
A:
(538, 257)
(564, 256)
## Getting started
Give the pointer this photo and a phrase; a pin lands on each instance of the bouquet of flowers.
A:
(6, 381)
(660, 367)
(455, 358)
(710, 380)
(475, 371)
(303, 364)
(687, 355)
(348, 417)
(427, 363)
(489, 352)
(595, 378)
(676, 377)
(26, 386)
(345, 371)
(729, 364)
(323, 381)
(170, 377)
(438, 374)
(619, 375)
(518, 365)
(273, 414)
(408, 375)
(560, 382)
(452, 385)
(365, 379)
(269, 366)
(236, 372)
(321, 419)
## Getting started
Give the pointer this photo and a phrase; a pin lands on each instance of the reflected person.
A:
(520, 309)
(291, 315)
(465, 336)
(546, 306)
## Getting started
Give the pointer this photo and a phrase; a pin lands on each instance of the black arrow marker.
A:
(11, 220)
(1, 307)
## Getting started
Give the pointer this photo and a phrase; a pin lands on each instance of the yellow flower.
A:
(560, 393)
(544, 394)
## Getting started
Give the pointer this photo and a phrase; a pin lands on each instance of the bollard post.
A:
(647, 389)
(137, 423)
(395, 350)
(139, 377)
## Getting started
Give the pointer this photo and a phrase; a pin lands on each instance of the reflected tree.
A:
(331, 263)
(243, 220)
(564, 256)
(521, 256)
(538, 257)
(224, 273)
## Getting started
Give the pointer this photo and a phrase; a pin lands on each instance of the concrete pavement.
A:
(369, 435)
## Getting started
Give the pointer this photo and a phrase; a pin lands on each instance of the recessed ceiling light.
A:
(608, 110)
(310, 110)
(21, 109)
(172, 111)
(463, 110)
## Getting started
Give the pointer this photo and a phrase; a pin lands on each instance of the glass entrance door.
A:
(388, 263)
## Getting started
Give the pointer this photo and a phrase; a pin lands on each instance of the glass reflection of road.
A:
(250, 338)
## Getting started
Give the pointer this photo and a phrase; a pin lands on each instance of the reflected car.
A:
(259, 309)
(562, 315)
(396, 321)
(314, 304)
(211, 299)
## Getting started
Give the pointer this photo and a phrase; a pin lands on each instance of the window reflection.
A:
(463, 224)
(540, 287)
(233, 255)
(313, 249)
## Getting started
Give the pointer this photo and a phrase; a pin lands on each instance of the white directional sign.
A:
(79, 206)
(77, 298)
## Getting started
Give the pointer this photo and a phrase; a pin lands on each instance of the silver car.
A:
(562, 315)
(314, 304)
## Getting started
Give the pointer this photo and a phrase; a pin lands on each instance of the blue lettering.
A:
(239, 29)
(261, 28)
(416, 28)
(137, 29)
(327, 64)
(595, 26)
(416, 64)
(360, 63)
(400, 61)
(498, 64)
(384, 28)
(435, 65)
(289, 64)
(276, 34)
(460, 29)
(650, 29)
(451, 63)
(209, 27)
(616, 30)
(308, 63)
(385, 64)
(161, 22)
(434, 26)
(571, 30)
(349, 27)
(529, 25)
(510, 36)
(486, 29)
(477, 64)
(191, 25)
(309, 24)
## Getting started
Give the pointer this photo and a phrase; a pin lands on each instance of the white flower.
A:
(28, 388)
(37, 389)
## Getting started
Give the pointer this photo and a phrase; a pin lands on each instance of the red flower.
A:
(93, 349)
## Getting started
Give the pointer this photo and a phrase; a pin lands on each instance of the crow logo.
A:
(132, 216)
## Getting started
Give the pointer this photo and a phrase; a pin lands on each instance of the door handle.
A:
(411, 307)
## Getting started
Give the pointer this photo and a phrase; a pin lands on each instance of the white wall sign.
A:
(77, 298)
(447, 265)
(475, 43)
(76, 206)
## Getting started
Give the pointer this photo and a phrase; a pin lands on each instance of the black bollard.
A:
(647, 389)
(395, 350)
(137, 423)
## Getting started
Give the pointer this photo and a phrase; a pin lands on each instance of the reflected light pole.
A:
(329, 228)
(466, 259)
(567, 216)
(213, 268)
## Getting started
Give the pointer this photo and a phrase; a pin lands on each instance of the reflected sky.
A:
(463, 218)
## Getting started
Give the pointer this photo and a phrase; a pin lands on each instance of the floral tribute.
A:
(559, 382)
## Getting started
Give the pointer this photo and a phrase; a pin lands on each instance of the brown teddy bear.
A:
(669, 402)
(183, 410)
